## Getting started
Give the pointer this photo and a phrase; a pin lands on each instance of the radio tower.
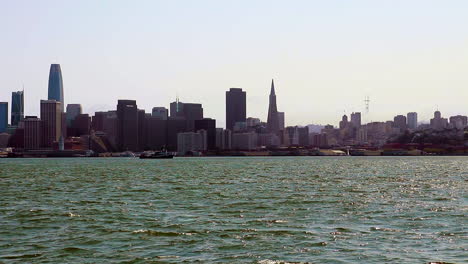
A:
(367, 102)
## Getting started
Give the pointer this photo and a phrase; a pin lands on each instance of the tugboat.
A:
(157, 155)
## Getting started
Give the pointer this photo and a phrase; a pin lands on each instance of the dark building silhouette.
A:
(17, 107)
(73, 110)
(52, 118)
(127, 125)
(236, 110)
(209, 125)
(399, 121)
(156, 131)
(272, 120)
(3, 116)
(174, 126)
(188, 111)
(82, 124)
(303, 136)
(356, 119)
(32, 132)
(141, 129)
(56, 85)
(105, 124)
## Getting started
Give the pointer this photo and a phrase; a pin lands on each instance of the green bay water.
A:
(234, 210)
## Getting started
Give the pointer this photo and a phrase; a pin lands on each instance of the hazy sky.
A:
(325, 56)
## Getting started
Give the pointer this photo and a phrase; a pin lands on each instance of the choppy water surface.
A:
(234, 210)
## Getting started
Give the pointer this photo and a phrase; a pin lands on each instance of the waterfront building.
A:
(319, 140)
(142, 129)
(412, 119)
(399, 122)
(244, 141)
(189, 142)
(209, 125)
(17, 107)
(156, 132)
(3, 116)
(438, 122)
(32, 133)
(52, 119)
(356, 119)
(73, 110)
(291, 136)
(273, 124)
(56, 85)
(227, 139)
(236, 107)
(268, 140)
(303, 136)
(127, 125)
(4, 140)
(220, 138)
(160, 113)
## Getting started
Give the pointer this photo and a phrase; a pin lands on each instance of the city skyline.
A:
(325, 57)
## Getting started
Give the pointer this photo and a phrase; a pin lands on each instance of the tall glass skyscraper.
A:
(56, 84)
(17, 107)
(3, 116)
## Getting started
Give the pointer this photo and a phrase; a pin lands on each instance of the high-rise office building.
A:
(73, 110)
(188, 111)
(3, 116)
(412, 119)
(356, 119)
(438, 122)
(281, 120)
(458, 121)
(209, 125)
(51, 116)
(32, 132)
(160, 113)
(17, 107)
(399, 121)
(82, 124)
(127, 125)
(273, 124)
(56, 85)
(236, 107)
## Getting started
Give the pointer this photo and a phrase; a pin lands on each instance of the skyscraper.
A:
(209, 125)
(356, 119)
(51, 116)
(236, 110)
(160, 113)
(56, 84)
(32, 132)
(272, 120)
(399, 121)
(17, 107)
(412, 119)
(3, 116)
(127, 125)
(73, 110)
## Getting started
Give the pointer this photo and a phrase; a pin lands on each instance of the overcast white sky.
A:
(325, 56)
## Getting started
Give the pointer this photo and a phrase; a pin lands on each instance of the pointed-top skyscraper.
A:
(273, 121)
(56, 84)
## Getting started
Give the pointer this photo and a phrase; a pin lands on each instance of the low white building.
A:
(190, 142)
